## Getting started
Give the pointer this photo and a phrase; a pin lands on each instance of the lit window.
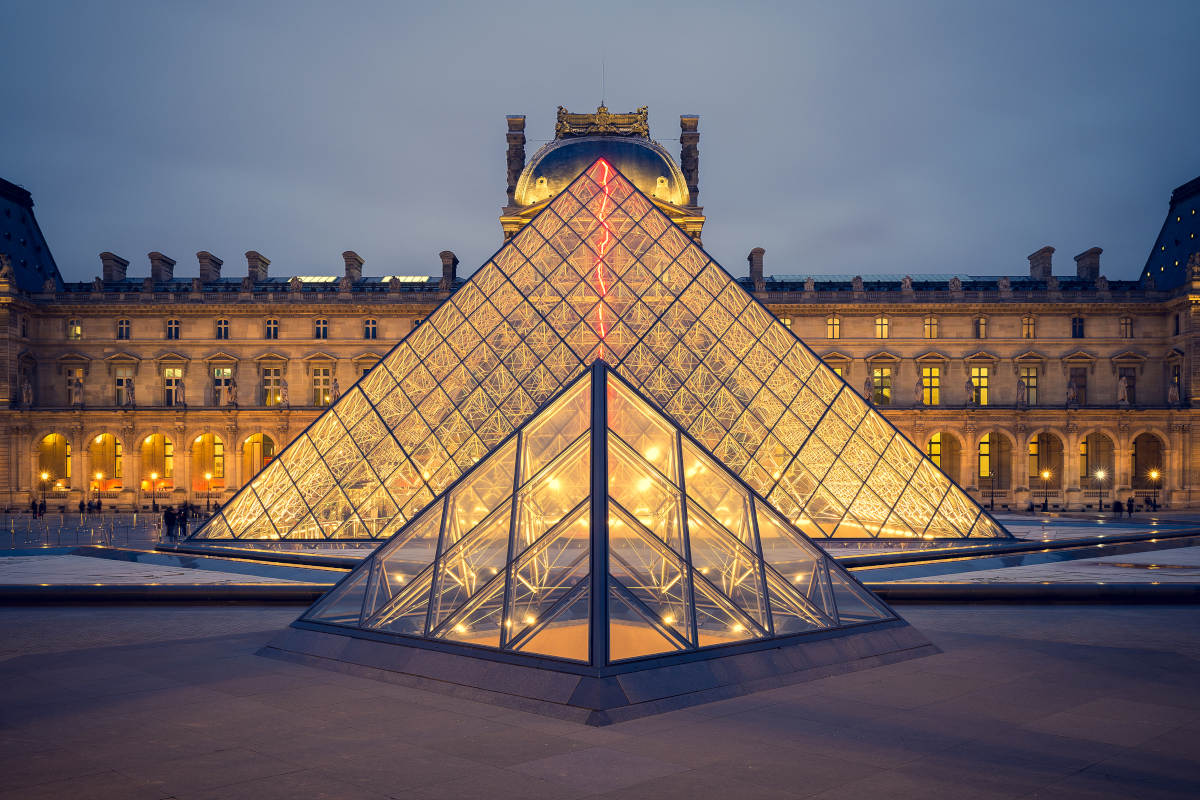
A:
(931, 386)
(1076, 327)
(172, 385)
(837, 371)
(222, 377)
(833, 327)
(931, 327)
(981, 327)
(73, 374)
(1030, 376)
(271, 329)
(123, 382)
(172, 329)
(985, 456)
(74, 329)
(322, 384)
(934, 449)
(979, 384)
(222, 329)
(882, 395)
(370, 329)
(882, 326)
(124, 328)
(272, 386)
(1127, 327)
(787, 321)
(1028, 328)
(321, 329)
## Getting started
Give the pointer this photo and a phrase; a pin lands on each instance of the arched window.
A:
(106, 460)
(158, 465)
(257, 452)
(54, 463)
(208, 464)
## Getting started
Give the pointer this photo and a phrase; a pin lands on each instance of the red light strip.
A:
(604, 244)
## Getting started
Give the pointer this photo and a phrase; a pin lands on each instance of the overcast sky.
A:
(843, 137)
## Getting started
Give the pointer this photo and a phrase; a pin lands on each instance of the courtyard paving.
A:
(1025, 701)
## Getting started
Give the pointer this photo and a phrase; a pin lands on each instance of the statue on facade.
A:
(180, 399)
(869, 387)
(970, 388)
(955, 284)
(810, 285)
(857, 283)
(231, 392)
(283, 394)
(335, 391)
(1004, 284)
(27, 393)
(1123, 392)
(1022, 393)
(1173, 394)
(1102, 283)
(906, 283)
(1072, 393)
(919, 392)
(76, 392)
(129, 398)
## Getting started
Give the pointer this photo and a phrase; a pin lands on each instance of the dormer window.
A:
(74, 329)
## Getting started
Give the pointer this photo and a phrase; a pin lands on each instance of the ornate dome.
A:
(645, 162)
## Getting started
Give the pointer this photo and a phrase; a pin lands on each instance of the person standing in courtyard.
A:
(169, 524)
(1129, 506)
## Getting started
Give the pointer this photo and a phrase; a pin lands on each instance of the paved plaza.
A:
(1028, 701)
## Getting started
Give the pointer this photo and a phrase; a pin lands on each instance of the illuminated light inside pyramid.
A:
(601, 272)
(504, 559)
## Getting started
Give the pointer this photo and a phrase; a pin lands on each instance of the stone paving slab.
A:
(1175, 565)
(1023, 702)
(70, 569)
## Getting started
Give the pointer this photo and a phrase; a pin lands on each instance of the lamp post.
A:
(99, 477)
(1045, 490)
(992, 498)
(1100, 476)
(154, 491)
(45, 479)
(208, 492)
(1154, 476)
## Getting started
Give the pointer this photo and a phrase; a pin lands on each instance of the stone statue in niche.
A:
(969, 386)
(231, 392)
(1072, 393)
(869, 387)
(919, 392)
(335, 391)
(906, 283)
(810, 285)
(1004, 284)
(27, 393)
(857, 283)
(1022, 393)
(1123, 392)
(77, 392)
(130, 400)
(1173, 394)
(283, 393)
(180, 396)
(955, 284)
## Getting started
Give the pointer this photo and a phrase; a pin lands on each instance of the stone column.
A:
(131, 470)
(1072, 491)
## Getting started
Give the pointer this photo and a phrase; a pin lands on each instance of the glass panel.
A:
(784, 550)
(854, 603)
(481, 492)
(631, 634)
(717, 493)
(556, 428)
(718, 621)
(642, 429)
(478, 622)
(343, 604)
(547, 572)
(552, 493)
(649, 572)
(791, 612)
(643, 492)
(726, 563)
(468, 566)
(567, 634)
(405, 610)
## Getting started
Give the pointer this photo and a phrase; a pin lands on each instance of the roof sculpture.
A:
(601, 273)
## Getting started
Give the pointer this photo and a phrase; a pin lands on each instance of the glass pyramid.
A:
(600, 273)
(598, 534)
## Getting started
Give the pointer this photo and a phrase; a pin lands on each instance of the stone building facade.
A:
(1034, 388)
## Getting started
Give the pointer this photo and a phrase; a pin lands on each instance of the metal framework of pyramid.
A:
(600, 273)
(599, 536)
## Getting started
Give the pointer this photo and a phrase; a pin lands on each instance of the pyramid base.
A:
(597, 697)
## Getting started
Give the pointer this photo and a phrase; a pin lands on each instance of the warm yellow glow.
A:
(153, 476)
(147, 440)
(45, 476)
(530, 619)
(99, 476)
(99, 438)
(669, 619)
(460, 628)
(554, 484)
(1045, 474)
(643, 485)
(208, 476)
(652, 454)
(1154, 474)
(197, 439)
(1101, 474)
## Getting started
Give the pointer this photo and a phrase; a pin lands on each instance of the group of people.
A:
(37, 509)
(91, 506)
(175, 521)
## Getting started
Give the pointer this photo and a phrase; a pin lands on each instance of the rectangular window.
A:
(833, 327)
(74, 329)
(931, 327)
(271, 330)
(122, 383)
(882, 396)
(73, 374)
(787, 321)
(222, 329)
(1030, 376)
(218, 458)
(985, 456)
(981, 327)
(124, 328)
(321, 328)
(1028, 328)
(931, 386)
(1035, 466)
(882, 327)
(1177, 379)
(172, 329)
(272, 386)
(1127, 327)
(1129, 374)
(979, 383)
(322, 384)
(172, 385)
(370, 329)
(1078, 376)
(1084, 471)
(1176, 324)
(934, 450)
(222, 377)
(1076, 327)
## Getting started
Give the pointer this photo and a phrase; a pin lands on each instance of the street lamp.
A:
(207, 491)
(45, 480)
(1045, 490)
(992, 499)
(1100, 476)
(154, 491)
(1154, 476)
(99, 477)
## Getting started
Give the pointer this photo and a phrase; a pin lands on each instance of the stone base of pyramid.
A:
(601, 697)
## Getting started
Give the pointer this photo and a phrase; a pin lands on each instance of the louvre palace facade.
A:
(170, 385)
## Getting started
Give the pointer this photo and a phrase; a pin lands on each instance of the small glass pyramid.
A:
(600, 273)
(598, 533)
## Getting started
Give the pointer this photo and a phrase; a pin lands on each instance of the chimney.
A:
(1039, 263)
(256, 265)
(1087, 264)
(449, 262)
(162, 268)
(689, 154)
(114, 267)
(516, 153)
(354, 264)
(756, 269)
(210, 266)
